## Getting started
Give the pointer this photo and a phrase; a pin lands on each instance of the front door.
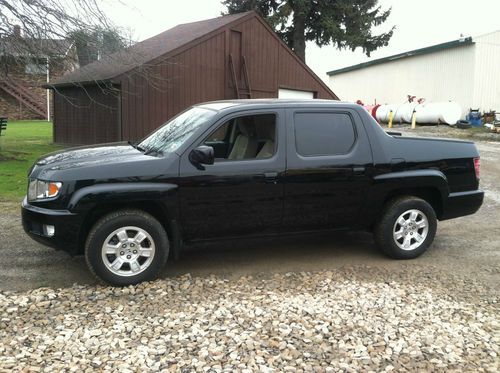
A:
(326, 179)
(242, 192)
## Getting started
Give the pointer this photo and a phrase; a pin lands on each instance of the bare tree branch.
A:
(55, 29)
(43, 21)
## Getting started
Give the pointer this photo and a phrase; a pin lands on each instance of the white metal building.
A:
(466, 71)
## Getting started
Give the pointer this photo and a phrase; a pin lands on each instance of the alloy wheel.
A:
(128, 251)
(410, 229)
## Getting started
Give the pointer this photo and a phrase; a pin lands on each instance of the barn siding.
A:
(171, 85)
(271, 65)
(196, 72)
(86, 115)
(201, 73)
(261, 53)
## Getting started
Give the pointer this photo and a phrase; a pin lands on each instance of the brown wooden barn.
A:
(127, 95)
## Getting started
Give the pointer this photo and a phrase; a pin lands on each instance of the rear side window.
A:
(323, 133)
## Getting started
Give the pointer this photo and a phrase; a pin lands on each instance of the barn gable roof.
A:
(146, 51)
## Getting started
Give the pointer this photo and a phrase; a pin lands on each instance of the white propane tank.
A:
(427, 113)
(405, 112)
(438, 112)
(383, 112)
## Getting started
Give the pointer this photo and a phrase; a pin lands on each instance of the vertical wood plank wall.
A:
(85, 115)
(154, 93)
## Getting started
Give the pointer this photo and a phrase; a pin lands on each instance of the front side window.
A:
(245, 137)
(319, 134)
(172, 134)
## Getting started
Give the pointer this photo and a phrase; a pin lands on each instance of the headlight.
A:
(39, 189)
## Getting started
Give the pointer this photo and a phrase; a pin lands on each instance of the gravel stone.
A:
(292, 322)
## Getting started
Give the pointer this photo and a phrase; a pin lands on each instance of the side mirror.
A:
(201, 155)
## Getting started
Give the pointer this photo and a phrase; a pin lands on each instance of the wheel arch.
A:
(155, 208)
(429, 185)
(95, 201)
(429, 194)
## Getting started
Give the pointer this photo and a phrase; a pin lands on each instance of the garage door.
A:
(292, 93)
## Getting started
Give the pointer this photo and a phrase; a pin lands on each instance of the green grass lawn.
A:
(20, 145)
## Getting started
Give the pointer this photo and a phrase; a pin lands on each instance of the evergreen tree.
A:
(344, 23)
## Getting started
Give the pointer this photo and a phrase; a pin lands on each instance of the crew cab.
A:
(242, 168)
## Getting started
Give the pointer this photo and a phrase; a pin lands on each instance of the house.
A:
(126, 95)
(463, 70)
(25, 65)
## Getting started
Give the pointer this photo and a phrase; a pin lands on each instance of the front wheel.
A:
(407, 228)
(126, 247)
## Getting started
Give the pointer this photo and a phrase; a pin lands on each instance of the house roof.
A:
(20, 47)
(145, 51)
(416, 52)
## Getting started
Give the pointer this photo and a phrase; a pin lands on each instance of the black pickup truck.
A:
(247, 168)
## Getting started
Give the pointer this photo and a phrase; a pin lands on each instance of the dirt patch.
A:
(443, 130)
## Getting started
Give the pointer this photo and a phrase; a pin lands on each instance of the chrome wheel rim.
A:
(410, 230)
(128, 251)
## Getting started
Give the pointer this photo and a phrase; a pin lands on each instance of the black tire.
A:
(156, 243)
(463, 124)
(385, 229)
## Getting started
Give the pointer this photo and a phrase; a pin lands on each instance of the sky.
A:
(419, 23)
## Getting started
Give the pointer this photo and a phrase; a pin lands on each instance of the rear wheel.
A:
(126, 247)
(407, 228)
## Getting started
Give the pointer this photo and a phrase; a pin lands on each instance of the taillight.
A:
(477, 167)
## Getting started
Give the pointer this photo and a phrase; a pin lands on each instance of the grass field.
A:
(20, 145)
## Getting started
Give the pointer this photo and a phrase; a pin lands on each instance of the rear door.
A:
(326, 179)
(241, 194)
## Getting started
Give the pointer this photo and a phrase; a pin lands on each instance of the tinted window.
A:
(323, 133)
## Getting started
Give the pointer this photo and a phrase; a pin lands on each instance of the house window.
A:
(33, 68)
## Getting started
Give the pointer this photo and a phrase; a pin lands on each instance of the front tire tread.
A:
(91, 250)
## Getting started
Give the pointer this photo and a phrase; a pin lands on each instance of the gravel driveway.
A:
(318, 303)
(321, 322)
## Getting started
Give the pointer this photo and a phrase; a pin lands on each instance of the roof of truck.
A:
(276, 102)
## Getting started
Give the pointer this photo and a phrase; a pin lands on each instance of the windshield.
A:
(171, 135)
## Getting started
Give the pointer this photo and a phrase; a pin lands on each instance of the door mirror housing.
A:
(201, 155)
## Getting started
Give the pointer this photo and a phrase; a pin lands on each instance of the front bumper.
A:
(462, 203)
(66, 225)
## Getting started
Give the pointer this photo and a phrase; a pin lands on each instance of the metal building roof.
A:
(416, 52)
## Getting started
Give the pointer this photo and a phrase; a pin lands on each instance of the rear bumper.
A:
(66, 227)
(462, 203)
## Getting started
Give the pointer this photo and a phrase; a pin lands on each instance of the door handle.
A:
(358, 170)
(271, 177)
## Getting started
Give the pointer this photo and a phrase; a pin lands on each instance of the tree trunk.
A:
(298, 35)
